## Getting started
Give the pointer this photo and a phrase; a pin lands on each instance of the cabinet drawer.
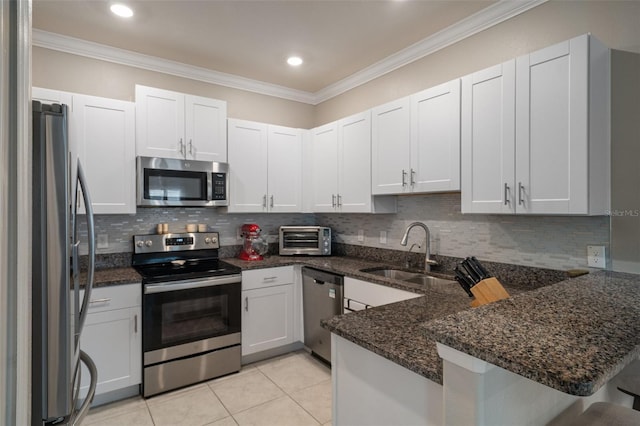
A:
(115, 297)
(268, 277)
(374, 294)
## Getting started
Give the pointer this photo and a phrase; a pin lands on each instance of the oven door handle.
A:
(189, 284)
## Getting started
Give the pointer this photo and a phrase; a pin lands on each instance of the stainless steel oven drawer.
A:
(182, 372)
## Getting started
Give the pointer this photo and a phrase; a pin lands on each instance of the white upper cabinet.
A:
(435, 139)
(206, 128)
(354, 163)
(488, 140)
(265, 164)
(104, 136)
(49, 96)
(562, 143)
(416, 142)
(175, 125)
(341, 153)
(535, 133)
(324, 155)
(390, 147)
(284, 177)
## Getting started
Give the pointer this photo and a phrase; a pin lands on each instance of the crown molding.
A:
(486, 18)
(102, 52)
(482, 20)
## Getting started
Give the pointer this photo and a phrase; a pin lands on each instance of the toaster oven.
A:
(307, 240)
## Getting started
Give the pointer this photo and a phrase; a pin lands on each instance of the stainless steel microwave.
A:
(174, 182)
(309, 240)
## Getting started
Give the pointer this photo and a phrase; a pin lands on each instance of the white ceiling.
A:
(252, 39)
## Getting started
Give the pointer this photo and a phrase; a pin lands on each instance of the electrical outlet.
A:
(360, 235)
(383, 237)
(103, 241)
(596, 257)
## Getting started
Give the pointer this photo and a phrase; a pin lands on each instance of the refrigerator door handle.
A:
(82, 184)
(81, 412)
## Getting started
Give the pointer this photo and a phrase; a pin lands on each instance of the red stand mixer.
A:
(254, 245)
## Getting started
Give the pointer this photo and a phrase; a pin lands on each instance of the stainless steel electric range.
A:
(191, 309)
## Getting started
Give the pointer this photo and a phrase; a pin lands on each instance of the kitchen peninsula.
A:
(529, 359)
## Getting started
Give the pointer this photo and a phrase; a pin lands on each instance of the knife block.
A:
(487, 291)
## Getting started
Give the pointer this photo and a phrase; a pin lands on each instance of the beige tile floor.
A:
(293, 389)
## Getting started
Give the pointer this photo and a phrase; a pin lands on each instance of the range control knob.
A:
(140, 243)
(214, 240)
(148, 243)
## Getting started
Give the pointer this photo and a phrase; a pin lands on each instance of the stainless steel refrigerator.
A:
(57, 313)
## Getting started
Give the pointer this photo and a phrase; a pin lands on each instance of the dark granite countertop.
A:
(114, 276)
(572, 336)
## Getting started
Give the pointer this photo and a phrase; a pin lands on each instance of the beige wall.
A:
(72, 73)
(616, 23)
(625, 156)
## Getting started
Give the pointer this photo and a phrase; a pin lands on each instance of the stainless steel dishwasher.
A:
(321, 299)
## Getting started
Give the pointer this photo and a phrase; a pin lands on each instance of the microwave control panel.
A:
(219, 186)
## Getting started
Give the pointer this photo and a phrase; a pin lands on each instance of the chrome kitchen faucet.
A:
(428, 262)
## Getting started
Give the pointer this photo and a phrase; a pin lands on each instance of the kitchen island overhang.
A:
(546, 354)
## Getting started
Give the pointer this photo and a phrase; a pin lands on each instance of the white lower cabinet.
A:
(267, 309)
(360, 294)
(112, 338)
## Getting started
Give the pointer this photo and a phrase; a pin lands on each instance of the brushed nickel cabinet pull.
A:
(520, 189)
(506, 194)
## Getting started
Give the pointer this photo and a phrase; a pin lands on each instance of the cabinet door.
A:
(104, 136)
(324, 147)
(206, 128)
(354, 163)
(284, 169)
(113, 341)
(247, 166)
(488, 140)
(390, 147)
(552, 129)
(49, 96)
(267, 318)
(435, 139)
(160, 123)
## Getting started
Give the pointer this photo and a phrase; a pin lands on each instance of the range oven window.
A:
(175, 185)
(182, 316)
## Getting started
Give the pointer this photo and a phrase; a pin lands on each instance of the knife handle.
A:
(464, 286)
(485, 273)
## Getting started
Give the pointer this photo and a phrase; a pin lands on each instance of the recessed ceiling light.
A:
(122, 10)
(294, 61)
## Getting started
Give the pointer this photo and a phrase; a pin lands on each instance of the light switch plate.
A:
(103, 241)
(383, 237)
(360, 235)
(596, 257)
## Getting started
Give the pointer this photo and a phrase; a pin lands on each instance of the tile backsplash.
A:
(120, 229)
(555, 242)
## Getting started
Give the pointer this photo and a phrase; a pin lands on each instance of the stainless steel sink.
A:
(412, 277)
(396, 274)
(429, 280)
